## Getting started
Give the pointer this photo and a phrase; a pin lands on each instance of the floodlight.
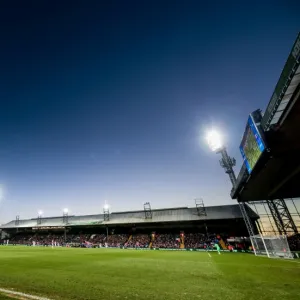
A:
(214, 140)
(106, 206)
(40, 213)
(65, 211)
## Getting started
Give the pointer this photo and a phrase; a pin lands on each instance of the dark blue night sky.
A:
(110, 101)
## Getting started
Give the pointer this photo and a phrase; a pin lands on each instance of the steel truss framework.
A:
(247, 220)
(200, 207)
(106, 214)
(249, 225)
(276, 217)
(266, 214)
(282, 217)
(227, 163)
(17, 222)
(147, 210)
(65, 218)
(278, 208)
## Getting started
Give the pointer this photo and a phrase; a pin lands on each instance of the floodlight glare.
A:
(214, 140)
(40, 213)
(106, 206)
(65, 210)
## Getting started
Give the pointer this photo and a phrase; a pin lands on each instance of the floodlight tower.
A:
(17, 222)
(65, 216)
(39, 218)
(215, 142)
(106, 211)
(147, 210)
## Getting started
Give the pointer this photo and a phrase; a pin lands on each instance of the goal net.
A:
(272, 246)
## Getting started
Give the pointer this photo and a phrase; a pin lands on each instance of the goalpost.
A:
(272, 246)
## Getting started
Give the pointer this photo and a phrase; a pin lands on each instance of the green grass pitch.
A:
(67, 273)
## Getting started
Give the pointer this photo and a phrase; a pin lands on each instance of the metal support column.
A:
(296, 209)
(247, 220)
(249, 225)
(39, 220)
(282, 217)
(259, 228)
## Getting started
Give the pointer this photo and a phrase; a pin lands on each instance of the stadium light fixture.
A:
(40, 213)
(214, 140)
(106, 206)
(65, 210)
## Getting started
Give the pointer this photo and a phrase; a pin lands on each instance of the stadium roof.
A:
(179, 214)
(285, 88)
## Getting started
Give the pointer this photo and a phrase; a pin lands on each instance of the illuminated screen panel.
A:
(252, 145)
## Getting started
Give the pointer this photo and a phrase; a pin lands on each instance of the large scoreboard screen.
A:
(252, 145)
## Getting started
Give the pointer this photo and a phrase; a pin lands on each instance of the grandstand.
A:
(133, 227)
(183, 217)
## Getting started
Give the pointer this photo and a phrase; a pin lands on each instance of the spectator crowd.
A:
(163, 240)
(294, 242)
(136, 240)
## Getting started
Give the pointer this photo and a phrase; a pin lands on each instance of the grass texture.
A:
(69, 273)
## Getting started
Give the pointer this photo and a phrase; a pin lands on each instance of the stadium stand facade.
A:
(180, 227)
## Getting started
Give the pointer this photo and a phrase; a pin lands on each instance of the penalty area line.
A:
(20, 294)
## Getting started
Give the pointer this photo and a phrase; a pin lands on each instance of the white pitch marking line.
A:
(208, 254)
(10, 292)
